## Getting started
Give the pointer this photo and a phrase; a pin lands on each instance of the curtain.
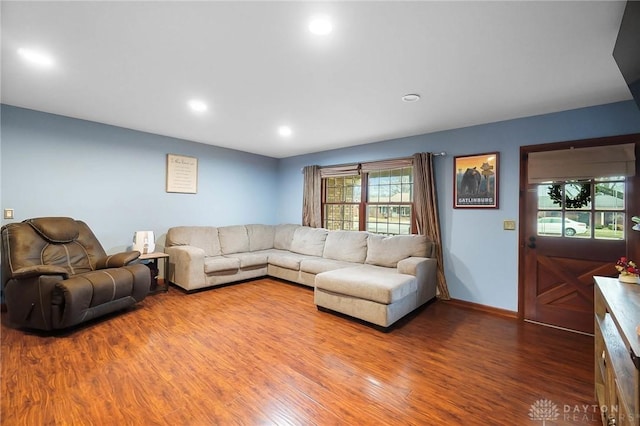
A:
(312, 197)
(426, 211)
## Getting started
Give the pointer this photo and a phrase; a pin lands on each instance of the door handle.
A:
(532, 242)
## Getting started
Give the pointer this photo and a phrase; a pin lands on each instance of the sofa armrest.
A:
(412, 265)
(425, 271)
(186, 266)
(37, 270)
(117, 260)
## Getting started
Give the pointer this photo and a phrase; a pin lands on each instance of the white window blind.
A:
(582, 163)
(357, 168)
(396, 163)
(344, 170)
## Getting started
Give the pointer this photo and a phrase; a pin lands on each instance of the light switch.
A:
(509, 225)
(8, 213)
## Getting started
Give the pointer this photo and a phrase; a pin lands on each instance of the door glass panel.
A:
(580, 209)
(550, 223)
(609, 195)
(610, 220)
(610, 225)
(577, 195)
(544, 198)
(577, 224)
(553, 224)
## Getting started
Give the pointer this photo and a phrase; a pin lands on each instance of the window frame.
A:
(364, 203)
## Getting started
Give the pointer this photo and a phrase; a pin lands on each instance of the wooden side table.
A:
(154, 259)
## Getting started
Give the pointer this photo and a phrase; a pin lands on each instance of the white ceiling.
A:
(136, 64)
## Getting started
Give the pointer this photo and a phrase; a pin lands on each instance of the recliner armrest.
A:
(117, 260)
(37, 270)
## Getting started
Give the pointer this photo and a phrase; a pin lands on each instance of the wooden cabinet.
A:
(617, 347)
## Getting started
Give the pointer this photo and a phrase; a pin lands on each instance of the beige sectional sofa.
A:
(372, 277)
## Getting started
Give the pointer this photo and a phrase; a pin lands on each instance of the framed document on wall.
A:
(182, 174)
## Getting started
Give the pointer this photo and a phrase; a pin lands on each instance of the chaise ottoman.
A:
(371, 293)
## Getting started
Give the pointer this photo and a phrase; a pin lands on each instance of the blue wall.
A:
(481, 259)
(114, 179)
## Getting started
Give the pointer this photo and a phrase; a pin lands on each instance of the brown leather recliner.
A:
(55, 274)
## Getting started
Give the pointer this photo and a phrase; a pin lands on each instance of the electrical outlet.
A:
(509, 225)
(8, 213)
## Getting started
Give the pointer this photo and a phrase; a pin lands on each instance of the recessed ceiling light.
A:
(36, 57)
(412, 97)
(285, 131)
(197, 105)
(320, 25)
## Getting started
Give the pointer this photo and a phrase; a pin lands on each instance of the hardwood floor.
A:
(260, 352)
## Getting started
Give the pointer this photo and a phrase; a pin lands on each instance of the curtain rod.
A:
(435, 154)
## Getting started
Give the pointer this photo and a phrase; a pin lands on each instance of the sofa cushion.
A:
(316, 266)
(284, 236)
(220, 263)
(309, 241)
(378, 284)
(260, 237)
(287, 260)
(203, 237)
(388, 251)
(250, 260)
(348, 246)
(233, 239)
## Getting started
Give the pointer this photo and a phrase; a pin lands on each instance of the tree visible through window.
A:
(379, 201)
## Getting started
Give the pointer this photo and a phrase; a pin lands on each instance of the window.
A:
(341, 202)
(378, 201)
(592, 208)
